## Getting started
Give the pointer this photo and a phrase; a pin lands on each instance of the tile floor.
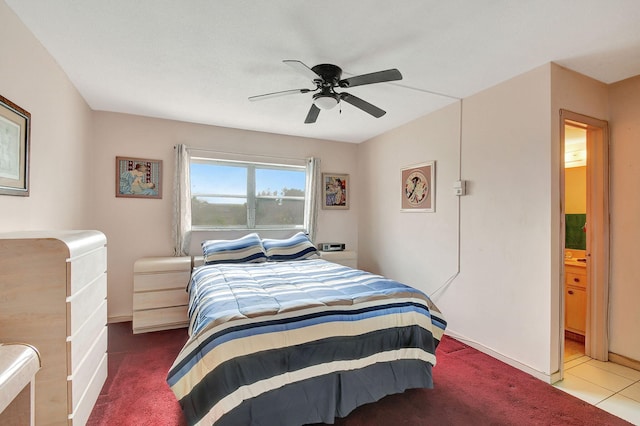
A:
(611, 387)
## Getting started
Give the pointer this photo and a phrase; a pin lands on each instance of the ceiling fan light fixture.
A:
(325, 101)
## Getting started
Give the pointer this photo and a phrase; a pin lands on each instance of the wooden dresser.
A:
(53, 295)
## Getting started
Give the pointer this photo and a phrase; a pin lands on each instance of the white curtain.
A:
(182, 203)
(311, 199)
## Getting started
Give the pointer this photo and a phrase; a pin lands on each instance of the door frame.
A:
(596, 336)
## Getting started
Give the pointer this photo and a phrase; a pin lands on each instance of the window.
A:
(246, 195)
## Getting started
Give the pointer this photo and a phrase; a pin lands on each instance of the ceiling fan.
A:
(326, 77)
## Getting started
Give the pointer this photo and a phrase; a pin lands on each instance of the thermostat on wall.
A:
(331, 246)
(460, 187)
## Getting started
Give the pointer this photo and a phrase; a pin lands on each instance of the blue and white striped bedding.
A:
(296, 247)
(246, 249)
(299, 342)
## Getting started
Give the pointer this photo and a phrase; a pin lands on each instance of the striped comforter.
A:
(299, 342)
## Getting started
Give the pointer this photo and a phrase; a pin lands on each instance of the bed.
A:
(287, 338)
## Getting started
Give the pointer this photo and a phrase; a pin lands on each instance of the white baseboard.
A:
(512, 362)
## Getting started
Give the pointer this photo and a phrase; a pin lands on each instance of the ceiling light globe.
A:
(325, 102)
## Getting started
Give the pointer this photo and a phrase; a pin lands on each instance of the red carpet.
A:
(136, 393)
(471, 388)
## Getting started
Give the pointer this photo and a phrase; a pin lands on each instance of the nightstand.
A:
(345, 257)
(160, 298)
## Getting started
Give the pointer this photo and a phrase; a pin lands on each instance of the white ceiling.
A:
(199, 60)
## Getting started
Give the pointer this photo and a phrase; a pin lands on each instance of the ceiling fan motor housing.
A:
(330, 74)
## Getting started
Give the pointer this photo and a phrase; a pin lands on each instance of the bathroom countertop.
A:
(575, 262)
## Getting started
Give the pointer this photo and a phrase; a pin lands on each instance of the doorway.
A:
(575, 240)
(585, 285)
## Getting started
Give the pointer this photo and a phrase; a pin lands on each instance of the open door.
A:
(597, 230)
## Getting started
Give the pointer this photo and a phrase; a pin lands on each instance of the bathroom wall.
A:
(575, 196)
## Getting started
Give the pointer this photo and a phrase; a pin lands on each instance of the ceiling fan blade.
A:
(363, 105)
(303, 69)
(276, 94)
(312, 115)
(374, 77)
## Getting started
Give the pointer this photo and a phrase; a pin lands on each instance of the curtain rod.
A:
(244, 153)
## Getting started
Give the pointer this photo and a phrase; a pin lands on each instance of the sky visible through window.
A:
(276, 180)
(232, 180)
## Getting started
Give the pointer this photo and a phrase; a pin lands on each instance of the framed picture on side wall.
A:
(335, 191)
(15, 127)
(418, 188)
(138, 178)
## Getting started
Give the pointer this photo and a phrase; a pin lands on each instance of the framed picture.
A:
(138, 178)
(335, 191)
(419, 188)
(15, 127)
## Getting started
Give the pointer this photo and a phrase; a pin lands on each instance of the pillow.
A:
(245, 249)
(297, 247)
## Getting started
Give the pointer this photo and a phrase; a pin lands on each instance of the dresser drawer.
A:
(160, 299)
(79, 344)
(81, 305)
(160, 319)
(161, 281)
(82, 377)
(84, 269)
(577, 280)
(84, 407)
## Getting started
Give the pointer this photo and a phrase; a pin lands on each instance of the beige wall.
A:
(498, 299)
(506, 227)
(506, 298)
(405, 245)
(60, 166)
(625, 213)
(137, 228)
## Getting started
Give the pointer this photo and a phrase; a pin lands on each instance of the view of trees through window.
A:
(246, 195)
